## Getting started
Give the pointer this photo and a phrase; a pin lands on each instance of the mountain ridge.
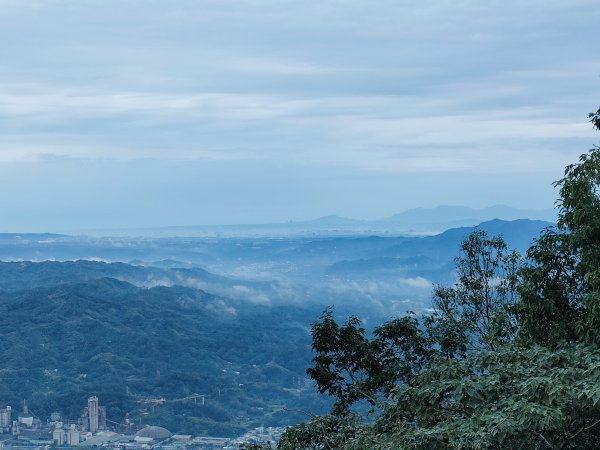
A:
(436, 219)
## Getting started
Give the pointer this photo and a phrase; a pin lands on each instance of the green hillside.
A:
(125, 344)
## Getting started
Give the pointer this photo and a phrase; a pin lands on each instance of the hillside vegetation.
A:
(63, 343)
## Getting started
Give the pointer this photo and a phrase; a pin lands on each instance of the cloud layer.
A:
(354, 89)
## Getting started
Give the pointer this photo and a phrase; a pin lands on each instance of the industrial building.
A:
(5, 419)
(93, 414)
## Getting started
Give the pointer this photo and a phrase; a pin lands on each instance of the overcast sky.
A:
(137, 113)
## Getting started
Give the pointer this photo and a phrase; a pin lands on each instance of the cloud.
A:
(370, 132)
(249, 294)
(221, 307)
(417, 282)
(498, 89)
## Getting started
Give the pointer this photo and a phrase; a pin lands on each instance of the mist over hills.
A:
(432, 255)
(132, 318)
(355, 271)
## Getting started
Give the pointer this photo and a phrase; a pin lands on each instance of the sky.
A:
(146, 113)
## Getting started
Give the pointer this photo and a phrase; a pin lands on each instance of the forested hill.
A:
(27, 274)
(73, 329)
(106, 337)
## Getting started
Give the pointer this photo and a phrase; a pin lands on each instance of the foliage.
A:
(263, 446)
(561, 289)
(351, 367)
(511, 398)
(580, 220)
(472, 315)
(550, 306)
(512, 358)
(321, 433)
(477, 312)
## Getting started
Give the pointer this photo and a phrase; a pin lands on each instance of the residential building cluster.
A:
(23, 430)
(260, 435)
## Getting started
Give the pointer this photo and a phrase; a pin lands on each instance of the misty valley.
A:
(205, 335)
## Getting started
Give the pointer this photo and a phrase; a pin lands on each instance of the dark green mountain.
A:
(61, 344)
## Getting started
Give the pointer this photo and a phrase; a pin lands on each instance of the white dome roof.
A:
(153, 432)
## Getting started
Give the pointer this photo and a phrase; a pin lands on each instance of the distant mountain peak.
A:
(444, 214)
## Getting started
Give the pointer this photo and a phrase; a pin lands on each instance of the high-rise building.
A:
(93, 413)
(102, 417)
(58, 435)
(5, 418)
(73, 435)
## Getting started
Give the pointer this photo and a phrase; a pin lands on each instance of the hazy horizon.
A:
(414, 221)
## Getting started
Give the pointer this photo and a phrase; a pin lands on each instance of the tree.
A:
(321, 433)
(474, 314)
(533, 398)
(477, 312)
(460, 378)
(551, 297)
(561, 285)
(512, 398)
(351, 367)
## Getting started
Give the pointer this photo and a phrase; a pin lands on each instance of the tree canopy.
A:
(508, 359)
